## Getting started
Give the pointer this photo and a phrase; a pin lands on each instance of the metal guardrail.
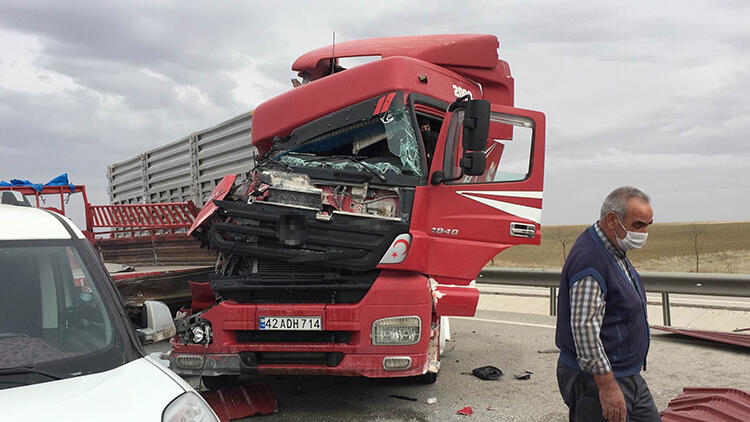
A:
(705, 284)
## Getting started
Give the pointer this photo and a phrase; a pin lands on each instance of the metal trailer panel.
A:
(186, 169)
(708, 404)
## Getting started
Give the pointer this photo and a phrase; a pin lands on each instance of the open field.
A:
(722, 248)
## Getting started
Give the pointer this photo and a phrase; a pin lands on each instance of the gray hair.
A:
(617, 201)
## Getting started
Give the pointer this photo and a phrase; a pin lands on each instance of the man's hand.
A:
(611, 398)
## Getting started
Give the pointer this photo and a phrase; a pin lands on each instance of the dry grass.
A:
(722, 248)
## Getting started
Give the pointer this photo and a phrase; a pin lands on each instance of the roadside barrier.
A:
(704, 284)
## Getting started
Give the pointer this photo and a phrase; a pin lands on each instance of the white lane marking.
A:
(497, 321)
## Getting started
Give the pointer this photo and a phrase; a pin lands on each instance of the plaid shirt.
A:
(587, 305)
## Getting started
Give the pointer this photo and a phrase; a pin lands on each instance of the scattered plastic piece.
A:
(525, 375)
(432, 400)
(491, 409)
(466, 411)
(488, 373)
(396, 396)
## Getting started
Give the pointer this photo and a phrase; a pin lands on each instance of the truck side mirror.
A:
(476, 125)
(158, 322)
(473, 163)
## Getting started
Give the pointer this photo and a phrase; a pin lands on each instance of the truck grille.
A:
(280, 282)
(291, 235)
(250, 360)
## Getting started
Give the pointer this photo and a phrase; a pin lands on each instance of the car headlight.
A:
(189, 407)
(403, 330)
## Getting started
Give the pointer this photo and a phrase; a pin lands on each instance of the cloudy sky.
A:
(648, 93)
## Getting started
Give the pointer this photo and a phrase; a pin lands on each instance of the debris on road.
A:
(714, 404)
(396, 396)
(241, 402)
(545, 351)
(742, 340)
(432, 400)
(487, 373)
(466, 411)
(525, 375)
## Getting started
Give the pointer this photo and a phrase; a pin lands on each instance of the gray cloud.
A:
(642, 93)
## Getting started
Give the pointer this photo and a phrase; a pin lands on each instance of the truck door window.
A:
(507, 160)
(429, 123)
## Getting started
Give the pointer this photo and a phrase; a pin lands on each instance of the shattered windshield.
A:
(384, 144)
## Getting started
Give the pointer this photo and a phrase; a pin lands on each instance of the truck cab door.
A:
(466, 220)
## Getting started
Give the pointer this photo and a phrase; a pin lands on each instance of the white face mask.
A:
(632, 240)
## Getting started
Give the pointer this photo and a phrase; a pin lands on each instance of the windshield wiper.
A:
(28, 370)
(362, 164)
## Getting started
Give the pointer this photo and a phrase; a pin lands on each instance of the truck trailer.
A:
(379, 193)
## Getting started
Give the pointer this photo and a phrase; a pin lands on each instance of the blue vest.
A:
(625, 332)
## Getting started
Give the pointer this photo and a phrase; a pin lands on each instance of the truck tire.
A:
(426, 378)
(219, 382)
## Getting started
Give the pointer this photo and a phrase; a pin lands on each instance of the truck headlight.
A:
(403, 330)
(189, 407)
(198, 334)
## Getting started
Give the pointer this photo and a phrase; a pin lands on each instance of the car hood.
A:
(138, 390)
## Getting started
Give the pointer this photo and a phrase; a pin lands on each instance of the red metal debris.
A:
(729, 338)
(241, 402)
(708, 404)
(466, 411)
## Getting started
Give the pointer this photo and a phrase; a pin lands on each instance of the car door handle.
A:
(522, 230)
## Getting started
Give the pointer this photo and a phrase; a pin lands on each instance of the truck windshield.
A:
(384, 145)
(53, 320)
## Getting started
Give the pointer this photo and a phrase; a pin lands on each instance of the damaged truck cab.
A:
(379, 194)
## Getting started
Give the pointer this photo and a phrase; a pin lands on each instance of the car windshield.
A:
(383, 145)
(53, 319)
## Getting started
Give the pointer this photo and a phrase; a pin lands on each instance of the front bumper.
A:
(343, 346)
(350, 365)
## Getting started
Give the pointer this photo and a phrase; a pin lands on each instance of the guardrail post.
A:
(666, 317)
(553, 301)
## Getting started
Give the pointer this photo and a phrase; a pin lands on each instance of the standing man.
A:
(602, 326)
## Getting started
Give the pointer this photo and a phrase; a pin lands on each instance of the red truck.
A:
(379, 194)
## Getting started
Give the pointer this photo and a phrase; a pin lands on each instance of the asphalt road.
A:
(513, 342)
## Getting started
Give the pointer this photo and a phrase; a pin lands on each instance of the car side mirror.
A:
(158, 322)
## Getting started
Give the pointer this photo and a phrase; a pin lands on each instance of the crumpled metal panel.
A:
(708, 404)
(729, 338)
(241, 402)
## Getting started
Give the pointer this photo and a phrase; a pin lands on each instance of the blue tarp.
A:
(61, 180)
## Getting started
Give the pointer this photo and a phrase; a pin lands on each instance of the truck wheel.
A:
(426, 378)
(220, 381)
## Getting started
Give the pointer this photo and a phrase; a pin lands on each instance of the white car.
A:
(67, 350)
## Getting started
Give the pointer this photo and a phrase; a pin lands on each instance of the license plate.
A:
(290, 323)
